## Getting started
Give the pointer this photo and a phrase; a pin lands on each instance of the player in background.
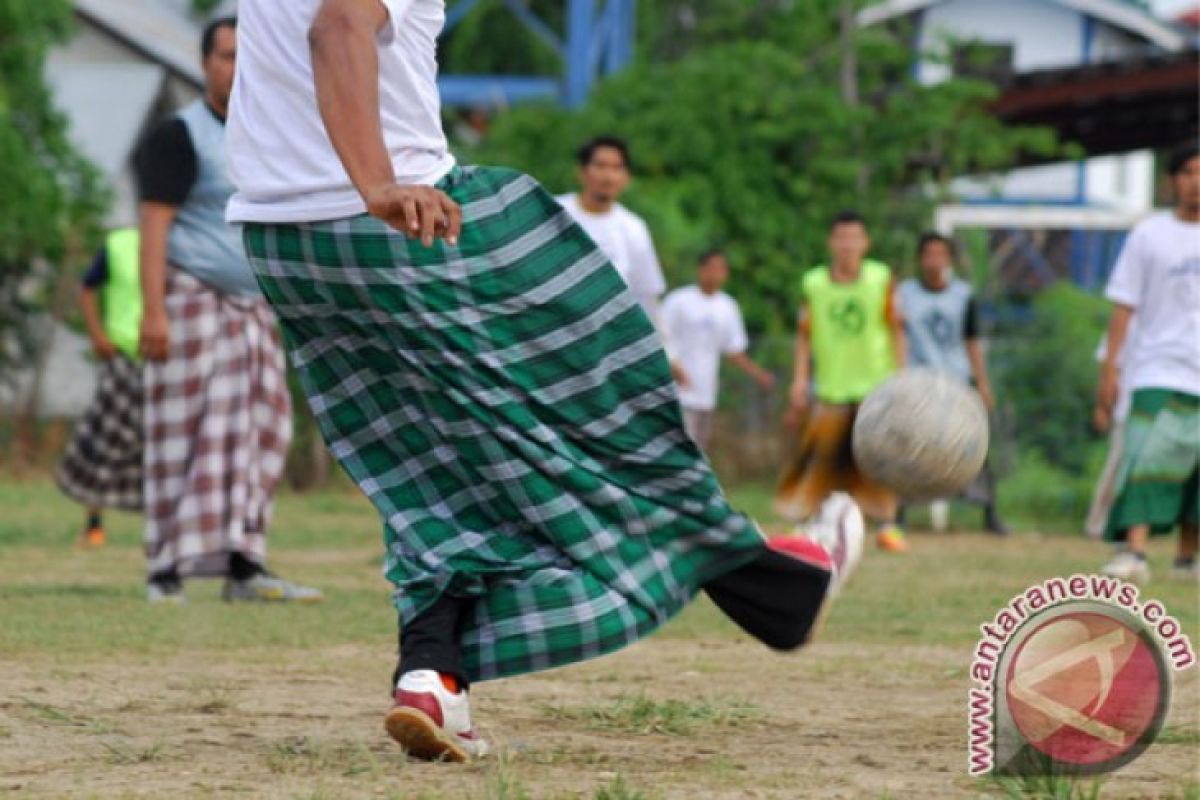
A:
(851, 331)
(605, 170)
(705, 323)
(1157, 277)
(941, 326)
(102, 465)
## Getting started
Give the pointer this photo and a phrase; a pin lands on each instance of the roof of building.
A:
(1118, 13)
(156, 29)
(106, 106)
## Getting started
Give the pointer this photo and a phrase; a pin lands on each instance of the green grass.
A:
(61, 603)
(641, 715)
(64, 608)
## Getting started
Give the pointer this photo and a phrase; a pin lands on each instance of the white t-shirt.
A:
(280, 157)
(1158, 275)
(623, 236)
(702, 327)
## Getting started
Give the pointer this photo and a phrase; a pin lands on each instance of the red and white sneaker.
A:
(838, 530)
(833, 541)
(431, 722)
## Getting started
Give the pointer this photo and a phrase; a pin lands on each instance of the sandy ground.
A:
(838, 721)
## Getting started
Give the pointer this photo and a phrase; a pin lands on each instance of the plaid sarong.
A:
(1158, 480)
(102, 465)
(218, 424)
(507, 407)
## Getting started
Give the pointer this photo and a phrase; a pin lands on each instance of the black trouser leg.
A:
(431, 641)
(775, 598)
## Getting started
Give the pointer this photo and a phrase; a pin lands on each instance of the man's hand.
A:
(154, 342)
(416, 211)
(798, 399)
(985, 394)
(1102, 419)
(1106, 393)
(103, 347)
(765, 380)
(680, 376)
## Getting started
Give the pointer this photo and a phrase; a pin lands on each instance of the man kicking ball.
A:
(482, 372)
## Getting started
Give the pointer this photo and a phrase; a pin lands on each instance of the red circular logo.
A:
(1088, 689)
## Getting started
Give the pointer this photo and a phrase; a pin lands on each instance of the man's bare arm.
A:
(1106, 393)
(154, 225)
(345, 62)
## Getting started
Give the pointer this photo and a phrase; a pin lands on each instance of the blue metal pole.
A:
(581, 18)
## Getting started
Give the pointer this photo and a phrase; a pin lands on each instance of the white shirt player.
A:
(703, 328)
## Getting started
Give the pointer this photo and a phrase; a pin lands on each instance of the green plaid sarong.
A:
(507, 407)
(1158, 479)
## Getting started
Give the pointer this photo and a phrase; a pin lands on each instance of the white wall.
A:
(1044, 35)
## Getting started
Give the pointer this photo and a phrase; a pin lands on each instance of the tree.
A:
(744, 140)
(51, 198)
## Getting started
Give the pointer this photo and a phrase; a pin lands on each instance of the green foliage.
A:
(50, 197)
(744, 140)
(1046, 372)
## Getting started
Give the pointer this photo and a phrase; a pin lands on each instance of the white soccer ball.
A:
(922, 434)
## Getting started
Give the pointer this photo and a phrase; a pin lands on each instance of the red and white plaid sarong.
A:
(218, 421)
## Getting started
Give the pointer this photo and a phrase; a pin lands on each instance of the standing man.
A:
(941, 323)
(102, 466)
(218, 414)
(851, 330)
(604, 175)
(1157, 277)
(705, 324)
(482, 372)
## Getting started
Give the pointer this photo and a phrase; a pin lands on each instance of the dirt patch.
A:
(672, 718)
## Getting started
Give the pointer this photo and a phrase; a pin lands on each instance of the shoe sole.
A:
(421, 737)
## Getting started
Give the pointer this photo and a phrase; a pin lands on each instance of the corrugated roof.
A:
(1115, 12)
(156, 29)
(106, 105)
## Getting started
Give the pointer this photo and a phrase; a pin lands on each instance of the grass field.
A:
(102, 695)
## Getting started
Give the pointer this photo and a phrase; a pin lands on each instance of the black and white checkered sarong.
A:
(102, 466)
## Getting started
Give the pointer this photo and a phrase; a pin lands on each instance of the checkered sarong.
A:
(102, 465)
(218, 424)
(508, 409)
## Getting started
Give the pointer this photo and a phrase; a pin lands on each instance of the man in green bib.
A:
(850, 338)
(102, 466)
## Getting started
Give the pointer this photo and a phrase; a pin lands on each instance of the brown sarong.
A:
(823, 463)
(218, 421)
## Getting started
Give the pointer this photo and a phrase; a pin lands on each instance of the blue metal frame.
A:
(598, 41)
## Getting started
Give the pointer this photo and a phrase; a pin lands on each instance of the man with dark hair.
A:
(604, 175)
(217, 414)
(1157, 277)
(851, 331)
(705, 323)
(941, 326)
(483, 373)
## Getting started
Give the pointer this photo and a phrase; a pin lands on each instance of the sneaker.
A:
(1127, 567)
(267, 588)
(1186, 570)
(164, 593)
(430, 722)
(891, 539)
(93, 537)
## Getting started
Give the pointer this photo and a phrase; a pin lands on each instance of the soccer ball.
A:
(922, 434)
